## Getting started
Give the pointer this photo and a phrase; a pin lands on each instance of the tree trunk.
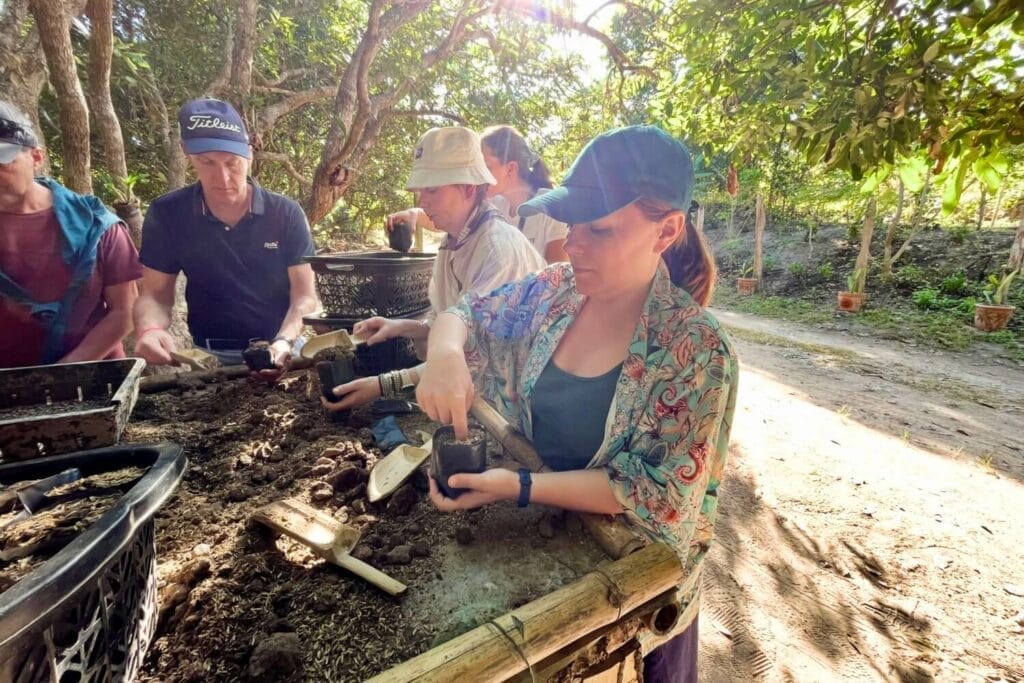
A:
(1017, 250)
(915, 221)
(730, 228)
(759, 222)
(864, 256)
(243, 51)
(999, 205)
(55, 35)
(101, 49)
(890, 234)
(22, 67)
(981, 208)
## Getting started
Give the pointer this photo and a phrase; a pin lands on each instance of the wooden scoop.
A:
(338, 338)
(325, 536)
(196, 359)
(394, 468)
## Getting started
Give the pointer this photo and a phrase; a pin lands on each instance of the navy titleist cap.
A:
(213, 126)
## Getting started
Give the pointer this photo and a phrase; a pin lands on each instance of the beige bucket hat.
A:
(448, 156)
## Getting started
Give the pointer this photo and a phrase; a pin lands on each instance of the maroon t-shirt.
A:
(30, 254)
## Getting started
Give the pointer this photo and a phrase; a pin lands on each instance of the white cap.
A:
(448, 156)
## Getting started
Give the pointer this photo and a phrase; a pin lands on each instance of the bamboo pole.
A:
(524, 637)
(612, 535)
(157, 383)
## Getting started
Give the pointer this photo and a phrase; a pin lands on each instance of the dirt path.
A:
(871, 515)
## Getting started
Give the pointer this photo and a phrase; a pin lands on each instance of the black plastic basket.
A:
(88, 613)
(364, 284)
(393, 354)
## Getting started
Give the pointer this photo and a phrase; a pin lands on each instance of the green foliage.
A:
(769, 262)
(996, 288)
(954, 284)
(909, 276)
(747, 270)
(853, 86)
(797, 269)
(826, 271)
(855, 280)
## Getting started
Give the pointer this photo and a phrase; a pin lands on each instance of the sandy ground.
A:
(871, 515)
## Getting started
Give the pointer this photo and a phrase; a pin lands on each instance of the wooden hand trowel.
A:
(393, 469)
(196, 359)
(338, 338)
(325, 536)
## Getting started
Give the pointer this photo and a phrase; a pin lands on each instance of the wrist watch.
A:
(525, 483)
(281, 337)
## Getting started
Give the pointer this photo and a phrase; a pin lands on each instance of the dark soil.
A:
(239, 604)
(26, 544)
(54, 408)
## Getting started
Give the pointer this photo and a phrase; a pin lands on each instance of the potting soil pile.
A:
(239, 604)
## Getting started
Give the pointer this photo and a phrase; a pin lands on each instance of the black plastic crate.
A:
(393, 354)
(360, 285)
(51, 409)
(88, 613)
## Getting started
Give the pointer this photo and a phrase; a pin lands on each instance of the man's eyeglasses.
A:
(12, 131)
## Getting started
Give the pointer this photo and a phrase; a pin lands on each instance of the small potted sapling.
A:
(852, 299)
(995, 313)
(745, 284)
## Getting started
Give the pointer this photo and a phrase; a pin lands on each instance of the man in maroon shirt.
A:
(67, 266)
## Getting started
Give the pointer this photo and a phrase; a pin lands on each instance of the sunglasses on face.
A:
(11, 131)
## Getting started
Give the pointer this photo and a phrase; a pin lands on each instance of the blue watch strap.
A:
(525, 482)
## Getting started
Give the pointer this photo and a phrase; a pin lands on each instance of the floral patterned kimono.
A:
(667, 432)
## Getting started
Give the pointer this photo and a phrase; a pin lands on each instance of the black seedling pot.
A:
(257, 357)
(331, 374)
(448, 458)
(400, 237)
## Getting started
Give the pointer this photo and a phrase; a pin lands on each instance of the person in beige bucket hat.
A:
(480, 251)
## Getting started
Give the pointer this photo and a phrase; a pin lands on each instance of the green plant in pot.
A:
(995, 313)
(745, 284)
(852, 299)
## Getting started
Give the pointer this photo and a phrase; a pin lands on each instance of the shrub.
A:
(909, 276)
(825, 271)
(926, 299)
(797, 269)
(954, 284)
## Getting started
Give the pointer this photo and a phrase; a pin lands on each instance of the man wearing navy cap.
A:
(240, 246)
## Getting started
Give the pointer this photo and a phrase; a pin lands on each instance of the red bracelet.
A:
(148, 329)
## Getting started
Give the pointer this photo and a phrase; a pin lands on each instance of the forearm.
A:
(448, 333)
(149, 312)
(581, 490)
(291, 326)
(98, 342)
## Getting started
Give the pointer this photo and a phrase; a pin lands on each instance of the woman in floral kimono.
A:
(611, 366)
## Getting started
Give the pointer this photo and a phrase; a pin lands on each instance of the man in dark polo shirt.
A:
(240, 246)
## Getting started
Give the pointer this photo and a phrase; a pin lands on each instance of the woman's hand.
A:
(484, 488)
(377, 329)
(351, 394)
(445, 391)
(408, 216)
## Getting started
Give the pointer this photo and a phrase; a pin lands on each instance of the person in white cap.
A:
(480, 252)
(67, 265)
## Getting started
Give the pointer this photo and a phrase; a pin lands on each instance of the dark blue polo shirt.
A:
(238, 285)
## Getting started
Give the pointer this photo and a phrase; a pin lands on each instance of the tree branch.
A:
(286, 161)
(427, 112)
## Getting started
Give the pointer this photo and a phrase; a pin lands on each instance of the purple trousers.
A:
(675, 661)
